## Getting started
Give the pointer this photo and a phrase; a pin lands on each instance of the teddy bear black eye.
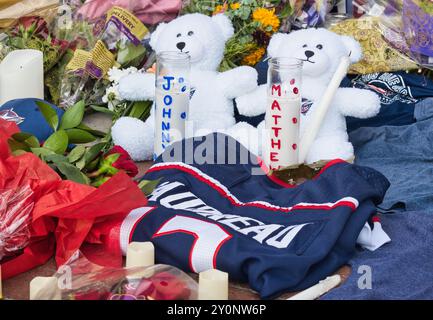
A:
(190, 33)
(178, 35)
(304, 46)
(319, 46)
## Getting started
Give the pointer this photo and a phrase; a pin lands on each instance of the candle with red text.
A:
(283, 113)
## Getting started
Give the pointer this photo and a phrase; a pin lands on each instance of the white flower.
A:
(115, 74)
(112, 96)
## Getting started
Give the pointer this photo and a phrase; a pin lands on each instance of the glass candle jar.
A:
(283, 112)
(172, 98)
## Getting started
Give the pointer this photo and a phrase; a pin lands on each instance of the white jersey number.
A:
(209, 237)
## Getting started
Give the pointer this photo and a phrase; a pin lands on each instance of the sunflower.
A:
(254, 57)
(267, 18)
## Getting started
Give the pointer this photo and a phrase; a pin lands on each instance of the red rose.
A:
(123, 161)
(33, 25)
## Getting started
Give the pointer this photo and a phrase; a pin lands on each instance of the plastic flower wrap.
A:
(16, 206)
(120, 43)
(80, 279)
(310, 13)
(407, 26)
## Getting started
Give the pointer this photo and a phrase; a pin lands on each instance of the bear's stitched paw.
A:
(137, 87)
(135, 136)
(254, 103)
(358, 103)
(371, 102)
(330, 148)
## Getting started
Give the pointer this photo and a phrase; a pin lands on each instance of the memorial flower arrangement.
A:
(255, 21)
(78, 152)
(67, 150)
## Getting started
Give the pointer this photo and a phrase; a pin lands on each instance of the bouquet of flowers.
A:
(90, 281)
(66, 150)
(255, 21)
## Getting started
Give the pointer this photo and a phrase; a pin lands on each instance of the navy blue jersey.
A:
(230, 217)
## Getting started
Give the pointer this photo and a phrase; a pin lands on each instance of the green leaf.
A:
(73, 116)
(49, 114)
(81, 163)
(27, 138)
(138, 109)
(103, 110)
(57, 142)
(42, 152)
(147, 186)
(76, 154)
(19, 153)
(79, 136)
(55, 158)
(92, 165)
(16, 145)
(72, 173)
(129, 54)
(97, 133)
(93, 152)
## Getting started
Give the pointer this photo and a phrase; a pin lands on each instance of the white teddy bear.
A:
(320, 50)
(211, 105)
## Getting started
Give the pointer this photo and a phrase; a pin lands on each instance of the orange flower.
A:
(254, 57)
(220, 9)
(236, 6)
(267, 18)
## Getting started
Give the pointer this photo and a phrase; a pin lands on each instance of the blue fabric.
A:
(399, 93)
(30, 119)
(404, 154)
(403, 268)
(258, 221)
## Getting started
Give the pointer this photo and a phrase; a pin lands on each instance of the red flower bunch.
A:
(115, 160)
(162, 286)
(32, 26)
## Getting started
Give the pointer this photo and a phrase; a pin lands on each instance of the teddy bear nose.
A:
(309, 53)
(180, 45)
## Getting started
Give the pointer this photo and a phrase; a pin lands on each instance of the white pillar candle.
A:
(140, 254)
(283, 113)
(320, 112)
(282, 123)
(45, 288)
(213, 285)
(22, 75)
(319, 289)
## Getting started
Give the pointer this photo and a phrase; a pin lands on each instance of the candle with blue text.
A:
(283, 113)
(172, 99)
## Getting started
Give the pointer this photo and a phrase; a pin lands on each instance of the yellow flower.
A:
(254, 57)
(220, 9)
(267, 18)
(235, 6)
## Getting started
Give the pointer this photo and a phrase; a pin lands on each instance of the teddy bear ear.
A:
(155, 35)
(224, 24)
(274, 44)
(353, 47)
